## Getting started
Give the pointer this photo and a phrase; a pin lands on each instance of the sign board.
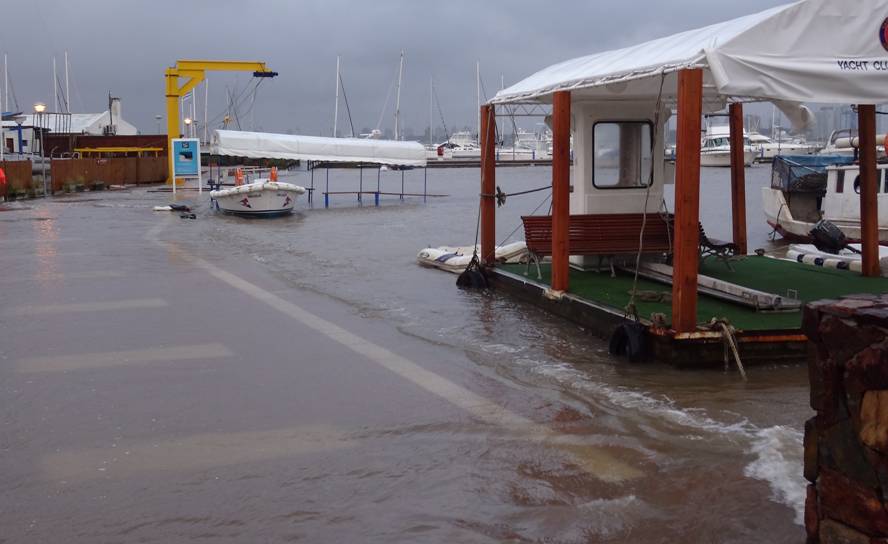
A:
(186, 157)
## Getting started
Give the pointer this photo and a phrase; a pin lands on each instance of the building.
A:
(19, 130)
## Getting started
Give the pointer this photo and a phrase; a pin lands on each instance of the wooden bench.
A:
(599, 234)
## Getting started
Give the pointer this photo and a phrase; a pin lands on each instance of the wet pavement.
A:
(301, 379)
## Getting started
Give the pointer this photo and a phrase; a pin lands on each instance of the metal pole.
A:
(311, 193)
(327, 190)
(402, 185)
(425, 183)
(43, 161)
(361, 183)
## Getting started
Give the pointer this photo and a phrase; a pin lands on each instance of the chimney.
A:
(115, 110)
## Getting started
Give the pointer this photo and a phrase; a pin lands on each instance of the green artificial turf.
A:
(762, 273)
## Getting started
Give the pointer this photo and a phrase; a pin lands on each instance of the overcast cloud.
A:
(124, 46)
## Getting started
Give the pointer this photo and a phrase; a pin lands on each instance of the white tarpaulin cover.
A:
(263, 145)
(827, 51)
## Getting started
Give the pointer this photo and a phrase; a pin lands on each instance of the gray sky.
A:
(125, 45)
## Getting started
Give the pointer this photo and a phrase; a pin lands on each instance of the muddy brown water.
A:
(147, 400)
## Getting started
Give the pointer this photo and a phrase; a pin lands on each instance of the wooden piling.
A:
(686, 260)
(560, 190)
(869, 213)
(488, 185)
(738, 178)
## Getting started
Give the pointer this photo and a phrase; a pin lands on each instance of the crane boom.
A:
(194, 72)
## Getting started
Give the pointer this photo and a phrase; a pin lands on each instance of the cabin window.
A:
(622, 154)
(885, 183)
(840, 181)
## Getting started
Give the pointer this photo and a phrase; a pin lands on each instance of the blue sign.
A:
(186, 157)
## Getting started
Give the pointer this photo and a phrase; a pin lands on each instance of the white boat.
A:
(456, 259)
(846, 259)
(845, 141)
(767, 148)
(716, 151)
(262, 197)
(803, 191)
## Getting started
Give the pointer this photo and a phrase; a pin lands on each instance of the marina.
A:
(634, 291)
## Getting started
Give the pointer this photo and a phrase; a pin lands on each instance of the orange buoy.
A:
(239, 177)
(274, 173)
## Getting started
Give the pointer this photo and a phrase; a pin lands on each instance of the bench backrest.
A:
(601, 234)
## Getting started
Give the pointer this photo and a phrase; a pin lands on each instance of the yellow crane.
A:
(193, 72)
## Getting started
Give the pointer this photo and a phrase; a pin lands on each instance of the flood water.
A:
(609, 452)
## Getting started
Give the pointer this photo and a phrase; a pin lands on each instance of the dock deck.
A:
(597, 300)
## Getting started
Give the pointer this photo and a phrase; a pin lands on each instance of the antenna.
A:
(67, 87)
(431, 108)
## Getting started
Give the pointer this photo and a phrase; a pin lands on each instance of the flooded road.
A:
(302, 379)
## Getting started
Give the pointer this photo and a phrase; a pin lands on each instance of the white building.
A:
(19, 137)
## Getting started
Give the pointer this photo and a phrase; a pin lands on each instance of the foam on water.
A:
(777, 450)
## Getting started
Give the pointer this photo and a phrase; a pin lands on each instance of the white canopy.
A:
(263, 145)
(827, 51)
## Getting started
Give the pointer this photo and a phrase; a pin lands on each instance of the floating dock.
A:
(597, 301)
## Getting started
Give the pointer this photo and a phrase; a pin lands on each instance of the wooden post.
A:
(738, 178)
(488, 185)
(687, 201)
(869, 213)
(560, 190)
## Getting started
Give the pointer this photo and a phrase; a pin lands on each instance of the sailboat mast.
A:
(55, 86)
(336, 107)
(398, 99)
(431, 108)
(67, 87)
(5, 83)
(206, 110)
(478, 94)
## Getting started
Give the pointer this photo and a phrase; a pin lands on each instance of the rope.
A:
(347, 108)
(521, 224)
(630, 307)
(500, 196)
(730, 339)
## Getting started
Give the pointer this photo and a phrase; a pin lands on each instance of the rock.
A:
(812, 513)
(874, 420)
(850, 503)
(840, 450)
(836, 533)
(868, 369)
(810, 449)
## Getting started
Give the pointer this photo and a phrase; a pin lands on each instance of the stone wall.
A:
(846, 443)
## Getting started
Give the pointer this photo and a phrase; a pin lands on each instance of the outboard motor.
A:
(828, 237)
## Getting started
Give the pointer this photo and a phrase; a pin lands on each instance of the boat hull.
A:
(260, 199)
(722, 159)
(779, 216)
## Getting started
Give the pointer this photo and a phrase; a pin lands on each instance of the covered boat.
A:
(807, 188)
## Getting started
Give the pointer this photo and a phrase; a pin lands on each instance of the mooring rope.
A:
(630, 307)
(729, 336)
(500, 196)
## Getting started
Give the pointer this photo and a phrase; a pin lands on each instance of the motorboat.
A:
(845, 141)
(807, 188)
(263, 197)
(716, 151)
(768, 149)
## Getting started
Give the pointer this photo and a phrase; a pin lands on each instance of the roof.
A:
(809, 51)
(263, 145)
